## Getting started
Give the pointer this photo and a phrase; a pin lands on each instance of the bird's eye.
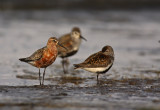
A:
(54, 40)
(75, 32)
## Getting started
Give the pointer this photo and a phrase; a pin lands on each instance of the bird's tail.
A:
(24, 59)
(76, 66)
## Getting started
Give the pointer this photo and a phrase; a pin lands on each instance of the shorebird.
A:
(44, 57)
(72, 42)
(99, 62)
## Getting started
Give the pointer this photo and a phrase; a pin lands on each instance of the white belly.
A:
(98, 69)
(95, 70)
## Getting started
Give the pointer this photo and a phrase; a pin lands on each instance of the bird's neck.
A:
(76, 42)
(109, 53)
(51, 47)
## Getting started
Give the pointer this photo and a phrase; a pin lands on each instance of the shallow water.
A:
(132, 82)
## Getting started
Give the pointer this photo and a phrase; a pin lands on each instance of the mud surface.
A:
(132, 94)
(125, 94)
(133, 83)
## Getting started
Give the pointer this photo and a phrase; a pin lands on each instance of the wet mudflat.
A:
(133, 83)
(110, 94)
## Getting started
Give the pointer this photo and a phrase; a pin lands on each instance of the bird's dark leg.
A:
(67, 64)
(97, 76)
(63, 65)
(39, 77)
(43, 76)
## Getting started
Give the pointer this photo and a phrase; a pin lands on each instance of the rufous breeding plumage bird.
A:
(44, 57)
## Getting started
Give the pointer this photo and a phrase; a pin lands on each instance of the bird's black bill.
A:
(62, 46)
(83, 38)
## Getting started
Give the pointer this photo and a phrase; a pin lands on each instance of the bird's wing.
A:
(97, 60)
(66, 41)
(65, 38)
(36, 55)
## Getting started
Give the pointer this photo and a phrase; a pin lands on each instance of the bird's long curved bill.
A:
(83, 38)
(62, 46)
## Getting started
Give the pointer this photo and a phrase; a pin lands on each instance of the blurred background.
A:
(131, 27)
(79, 4)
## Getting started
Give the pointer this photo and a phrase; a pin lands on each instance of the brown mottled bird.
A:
(44, 57)
(99, 62)
(72, 42)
